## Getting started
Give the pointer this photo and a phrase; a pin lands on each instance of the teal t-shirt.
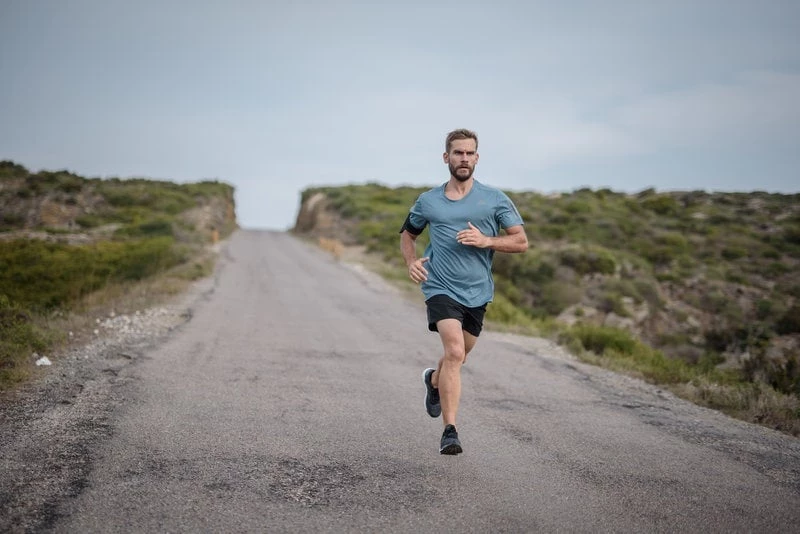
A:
(462, 272)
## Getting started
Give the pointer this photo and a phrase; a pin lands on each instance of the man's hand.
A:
(472, 237)
(417, 272)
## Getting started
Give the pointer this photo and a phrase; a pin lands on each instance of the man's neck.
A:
(456, 189)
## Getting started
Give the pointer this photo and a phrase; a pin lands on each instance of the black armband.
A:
(411, 229)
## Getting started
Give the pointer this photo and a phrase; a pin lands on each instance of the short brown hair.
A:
(461, 133)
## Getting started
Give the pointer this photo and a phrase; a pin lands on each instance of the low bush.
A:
(599, 339)
(588, 260)
(41, 276)
(554, 297)
(20, 337)
(502, 310)
(151, 228)
(618, 350)
(789, 323)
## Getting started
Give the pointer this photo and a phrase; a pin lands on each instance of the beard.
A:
(460, 177)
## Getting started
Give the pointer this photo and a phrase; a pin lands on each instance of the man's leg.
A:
(469, 344)
(448, 377)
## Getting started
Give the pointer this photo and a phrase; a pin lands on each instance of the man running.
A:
(465, 218)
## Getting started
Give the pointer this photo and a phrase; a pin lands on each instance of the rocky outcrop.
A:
(317, 219)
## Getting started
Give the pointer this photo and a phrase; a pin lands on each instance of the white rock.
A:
(44, 360)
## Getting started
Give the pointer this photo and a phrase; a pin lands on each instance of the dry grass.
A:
(756, 403)
(334, 246)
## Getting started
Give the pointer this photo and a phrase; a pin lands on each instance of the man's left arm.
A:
(514, 240)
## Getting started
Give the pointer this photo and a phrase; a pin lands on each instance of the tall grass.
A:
(20, 337)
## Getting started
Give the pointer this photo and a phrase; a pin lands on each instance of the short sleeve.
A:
(506, 213)
(415, 222)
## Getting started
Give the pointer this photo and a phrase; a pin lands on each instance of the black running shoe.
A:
(432, 404)
(450, 443)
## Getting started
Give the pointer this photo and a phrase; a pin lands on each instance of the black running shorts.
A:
(443, 307)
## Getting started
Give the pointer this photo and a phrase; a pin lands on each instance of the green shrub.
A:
(505, 287)
(575, 207)
(553, 231)
(627, 288)
(775, 269)
(599, 339)
(10, 170)
(765, 309)
(733, 253)
(40, 275)
(792, 235)
(554, 297)
(19, 338)
(790, 322)
(152, 196)
(620, 351)
(611, 301)
(661, 204)
(502, 310)
(781, 374)
(151, 228)
(648, 290)
(588, 260)
(369, 231)
(528, 270)
(90, 220)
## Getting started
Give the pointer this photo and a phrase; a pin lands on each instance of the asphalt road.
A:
(292, 401)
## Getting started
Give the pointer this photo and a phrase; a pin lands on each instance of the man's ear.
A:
(446, 157)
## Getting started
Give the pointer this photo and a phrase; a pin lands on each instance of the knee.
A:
(454, 354)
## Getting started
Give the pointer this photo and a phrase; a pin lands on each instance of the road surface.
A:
(292, 401)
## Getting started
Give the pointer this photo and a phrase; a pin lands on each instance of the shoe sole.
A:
(425, 400)
(453, 448)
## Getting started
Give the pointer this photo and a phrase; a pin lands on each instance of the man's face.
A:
(462, 158)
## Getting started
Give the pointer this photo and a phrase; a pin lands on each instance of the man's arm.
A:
(514, 240)
(408, 247)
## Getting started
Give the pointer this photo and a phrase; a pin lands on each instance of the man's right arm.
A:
(408, 247)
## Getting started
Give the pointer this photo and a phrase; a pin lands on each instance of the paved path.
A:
(292, 402)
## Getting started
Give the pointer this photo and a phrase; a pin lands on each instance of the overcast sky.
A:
(276, 96)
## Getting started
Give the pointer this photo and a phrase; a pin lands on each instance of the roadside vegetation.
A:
(698, 292)
(70, 245)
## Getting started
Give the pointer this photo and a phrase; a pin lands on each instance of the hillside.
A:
(69, 243)
(695, 289)
(64, 207)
